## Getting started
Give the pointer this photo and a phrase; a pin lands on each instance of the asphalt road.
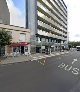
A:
(56, 74)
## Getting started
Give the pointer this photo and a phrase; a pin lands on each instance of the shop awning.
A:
(19, 44)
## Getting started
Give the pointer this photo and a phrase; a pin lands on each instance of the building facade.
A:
(20, 43)
(47, 20)
(4, 12)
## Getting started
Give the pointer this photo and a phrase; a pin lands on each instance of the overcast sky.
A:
(17, 16)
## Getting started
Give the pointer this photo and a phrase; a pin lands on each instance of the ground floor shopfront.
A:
(47, 49)
(20, 43)
(50, 47)
(45, 44)
(15, 49)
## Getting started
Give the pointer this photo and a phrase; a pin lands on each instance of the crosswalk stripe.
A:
(57, 54)
(62, 52)
(52, 55)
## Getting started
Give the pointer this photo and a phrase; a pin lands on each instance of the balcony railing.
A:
(53, 16)
(50, 28)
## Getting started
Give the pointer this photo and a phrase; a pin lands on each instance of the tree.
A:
(5, 39)
(74, 44)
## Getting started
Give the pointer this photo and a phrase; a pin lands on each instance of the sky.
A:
(17, 16)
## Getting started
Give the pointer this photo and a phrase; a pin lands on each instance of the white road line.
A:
(34, 59)
(47, 56)
(62, 52)
(41, 57)
(52, 55)
(66, 52)
(57, 54)
(74, 60)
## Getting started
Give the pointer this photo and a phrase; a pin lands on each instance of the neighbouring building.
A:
(47, 20)
(20, 40)
(4, 12)
(20, 36)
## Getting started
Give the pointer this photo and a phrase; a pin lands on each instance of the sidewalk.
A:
(23, 58)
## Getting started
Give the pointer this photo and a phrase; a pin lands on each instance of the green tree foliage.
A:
(5, 38)
(74, 44)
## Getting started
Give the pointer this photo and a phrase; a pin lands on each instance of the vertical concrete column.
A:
(57, 45)
(31, 21)
(31, 17)
(29, 49)
(5, 50)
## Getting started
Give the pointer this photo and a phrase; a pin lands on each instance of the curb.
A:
(34, 58)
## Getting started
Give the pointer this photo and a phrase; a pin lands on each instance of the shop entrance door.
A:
(22, 49)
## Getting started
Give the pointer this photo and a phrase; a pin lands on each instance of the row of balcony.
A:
(63, 4)
(40, 32)
(51, 28)
(40, 43)
(58, 9)
(43, 16)
(52, 25)
(50, 14)
(58, 4)
(50, 21)
(49, 7)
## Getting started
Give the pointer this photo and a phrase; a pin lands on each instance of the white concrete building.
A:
(47, 20)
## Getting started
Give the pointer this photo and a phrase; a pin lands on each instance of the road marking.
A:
(47, 56)
(62, 52)
(75, 71)
(74, 60)
(35, 57)
(66, 52)
(52, 55)
(69, 68)
(41, 56)
(42, 62)
(57, 54)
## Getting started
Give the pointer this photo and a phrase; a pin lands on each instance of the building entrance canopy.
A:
(19, 44)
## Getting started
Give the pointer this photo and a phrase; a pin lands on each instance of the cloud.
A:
(73, 19)
(77, 35)
(17, 18)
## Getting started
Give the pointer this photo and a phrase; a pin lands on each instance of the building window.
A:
(22, 37)
(46, 40)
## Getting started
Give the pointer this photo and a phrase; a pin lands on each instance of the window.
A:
(22, 37)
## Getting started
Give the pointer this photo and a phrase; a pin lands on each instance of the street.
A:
(54, 74)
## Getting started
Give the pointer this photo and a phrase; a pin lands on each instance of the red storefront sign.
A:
(19, 44)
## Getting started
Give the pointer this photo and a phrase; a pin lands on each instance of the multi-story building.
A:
(47, 19)
(20, 36)
(20, 43)
(4, 12)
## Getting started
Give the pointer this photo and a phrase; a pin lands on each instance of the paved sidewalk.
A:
(23, 58)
